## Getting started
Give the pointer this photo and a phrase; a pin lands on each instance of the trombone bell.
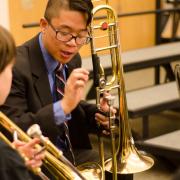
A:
(134, 163)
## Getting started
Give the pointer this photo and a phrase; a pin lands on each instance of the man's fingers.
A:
(81, 70)
(103, 120)
(40, 152)
(79, 84)
(33, 142)
(80, 74)
(33, 163)
(18, 143)
(100, 116)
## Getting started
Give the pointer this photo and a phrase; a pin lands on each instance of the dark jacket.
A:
(30, 100)
(11, 164)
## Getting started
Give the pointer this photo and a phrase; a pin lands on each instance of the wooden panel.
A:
(25, 11)
(135, 32)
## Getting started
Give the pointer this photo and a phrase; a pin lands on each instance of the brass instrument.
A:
(126, 159)
(36, 171)
(54, 160)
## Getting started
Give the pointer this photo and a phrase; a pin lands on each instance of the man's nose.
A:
(72, 42)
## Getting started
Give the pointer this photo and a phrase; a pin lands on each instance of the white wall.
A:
(4, 13)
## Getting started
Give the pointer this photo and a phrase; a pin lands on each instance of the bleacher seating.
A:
(141, 58)
(146, 101)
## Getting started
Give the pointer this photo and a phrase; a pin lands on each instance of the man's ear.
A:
(43, 24)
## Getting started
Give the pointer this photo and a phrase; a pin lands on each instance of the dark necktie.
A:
(59, 81)
(60, 84)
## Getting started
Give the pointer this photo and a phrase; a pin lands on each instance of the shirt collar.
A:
(50, 62)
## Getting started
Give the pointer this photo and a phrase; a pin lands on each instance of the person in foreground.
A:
(12, 165)
(35, 96)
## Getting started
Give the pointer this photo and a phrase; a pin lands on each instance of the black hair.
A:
(7, 48)
(83, 6)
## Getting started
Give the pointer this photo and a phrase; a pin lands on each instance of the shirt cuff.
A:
(59, 115)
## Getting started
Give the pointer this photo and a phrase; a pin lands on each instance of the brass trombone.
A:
(126, 159)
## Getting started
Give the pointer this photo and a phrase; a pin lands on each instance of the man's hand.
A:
(33, 158)
(99, 117)
(74, 89)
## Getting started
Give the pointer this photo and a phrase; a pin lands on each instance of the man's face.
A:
(68, 21)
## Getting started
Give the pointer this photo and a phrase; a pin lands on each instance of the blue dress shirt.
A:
(51, 65)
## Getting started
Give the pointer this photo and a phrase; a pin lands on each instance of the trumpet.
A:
(54, 161)
(36, 171)
(126, 159)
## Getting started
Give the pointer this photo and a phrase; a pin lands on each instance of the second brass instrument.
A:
(54, 161)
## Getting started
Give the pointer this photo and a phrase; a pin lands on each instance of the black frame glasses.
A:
(66, 37)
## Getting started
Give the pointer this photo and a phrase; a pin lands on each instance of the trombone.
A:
(126, 159)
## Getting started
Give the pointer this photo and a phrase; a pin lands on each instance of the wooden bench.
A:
(166, 145)
(141, 58)
(150, 100)
(146, 101)
(137, 59)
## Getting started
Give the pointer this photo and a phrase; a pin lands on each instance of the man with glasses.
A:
(33, 97)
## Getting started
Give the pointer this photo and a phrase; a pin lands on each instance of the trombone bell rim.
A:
(134, 163)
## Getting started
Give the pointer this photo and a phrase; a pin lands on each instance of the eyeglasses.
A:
(66, 37)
